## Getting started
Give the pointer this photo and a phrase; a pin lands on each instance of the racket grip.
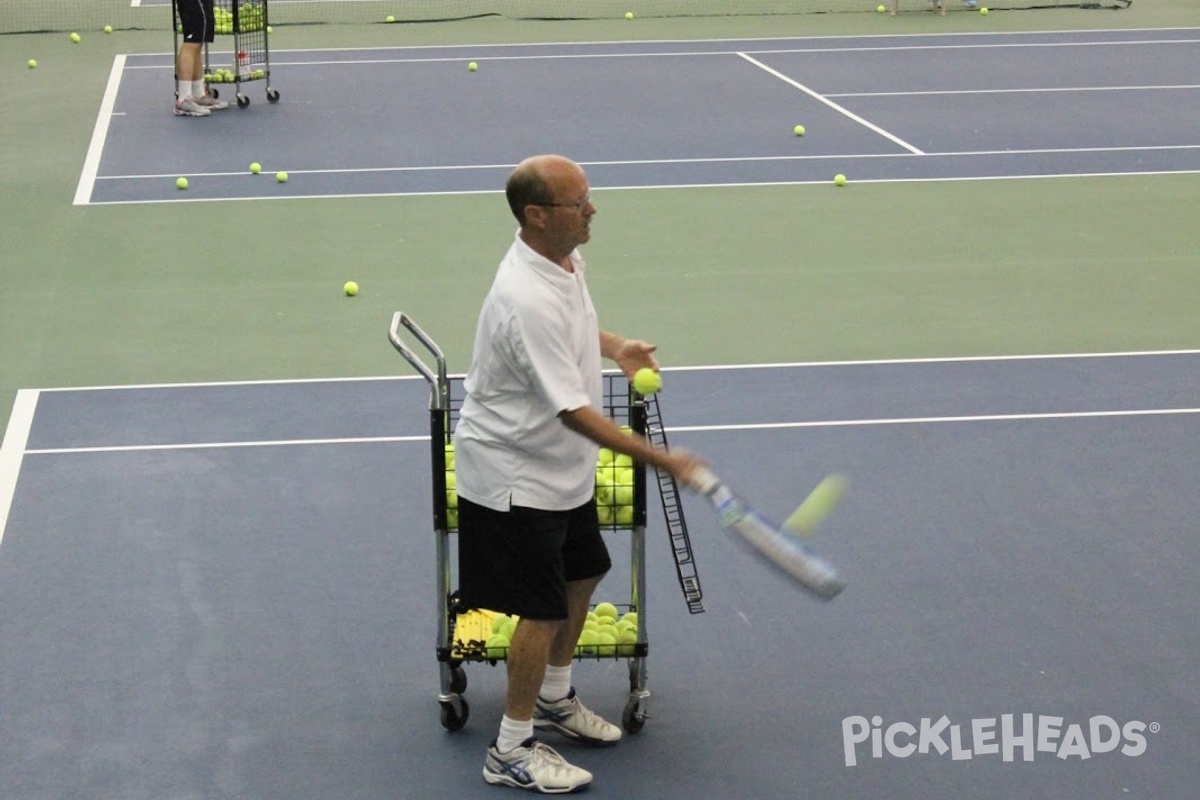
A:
(703, 481)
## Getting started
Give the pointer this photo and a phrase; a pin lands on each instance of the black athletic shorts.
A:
(196, 19)
(519, 561)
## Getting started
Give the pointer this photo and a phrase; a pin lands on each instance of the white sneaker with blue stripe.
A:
(534, 766)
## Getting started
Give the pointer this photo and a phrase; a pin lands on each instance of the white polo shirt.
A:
(536, 354)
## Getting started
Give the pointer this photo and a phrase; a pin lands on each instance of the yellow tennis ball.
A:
(390, 18)
(350, 288)
(181, 183)
(983, 11)
(76, 38)
(881, 9)
(646, 381)
(628, 15)
(472, 67)
(255, 168)
(32, 64)
(817, 506)
(839, 180)
(281, 177)
(108, 28)
(798, 130)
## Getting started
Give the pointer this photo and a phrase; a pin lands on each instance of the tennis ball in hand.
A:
(255, 168)
(817, 506)
(281, 177)
(350, 288)
(646, 381)
(182, 183)
(839, 180)
(798, 130)
(76, 38)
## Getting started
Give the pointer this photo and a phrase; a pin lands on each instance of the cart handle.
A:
(438, 396)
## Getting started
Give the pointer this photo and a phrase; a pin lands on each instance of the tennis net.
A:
(29, 16)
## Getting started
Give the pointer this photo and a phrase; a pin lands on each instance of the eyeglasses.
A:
(578, 205)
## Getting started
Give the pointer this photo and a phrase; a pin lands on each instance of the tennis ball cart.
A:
(615, 630)
(246, 24)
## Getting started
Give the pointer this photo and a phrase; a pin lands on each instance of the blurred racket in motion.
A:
(772, 543)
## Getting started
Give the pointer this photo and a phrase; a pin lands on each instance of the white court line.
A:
(143, 448)
(839, 423)
(919, 93)
(738, 41)
(91, 164)
(854, 423)
(278, 62)
(831, 104)
(674, 161)
(1141, 173)
(12, 450)
(692, 368)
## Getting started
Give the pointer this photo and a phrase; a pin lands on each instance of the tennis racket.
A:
(770, 542)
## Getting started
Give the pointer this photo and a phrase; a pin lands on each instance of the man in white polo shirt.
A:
(526, 445)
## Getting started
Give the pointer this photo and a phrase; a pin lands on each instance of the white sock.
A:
(556, 684)
(198, 88)
(513, 733)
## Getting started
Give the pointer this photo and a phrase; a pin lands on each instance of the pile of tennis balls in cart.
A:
(250, 18)
(614, 488)
(606, 632)
(227, 76)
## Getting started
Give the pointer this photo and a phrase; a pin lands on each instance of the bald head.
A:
(536, 180)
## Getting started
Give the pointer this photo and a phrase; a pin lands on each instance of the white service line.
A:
(833, 105)
(855, 423)
(12, 451)
(91, 164)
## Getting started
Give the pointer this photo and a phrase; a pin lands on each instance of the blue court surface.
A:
(226, 591)
(665, 113)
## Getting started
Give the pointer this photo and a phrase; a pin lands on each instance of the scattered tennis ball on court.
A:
(108, 28)
(281, 177)
(181, 183)
(646, 381)
(255, 168)
(983, 11)
(839, 180)
(881, 9)
(270, 30)
(819, 504)
(798, 130)
(390, 18)
(76, 38)
(350, 288)
(628, 15)
(32, 64)
(472, 67)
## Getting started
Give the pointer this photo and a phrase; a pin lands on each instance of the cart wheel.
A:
(458, 679)
(633, 718)
(272, 95)
(243, 101)
(214, 92)
(454, 714)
